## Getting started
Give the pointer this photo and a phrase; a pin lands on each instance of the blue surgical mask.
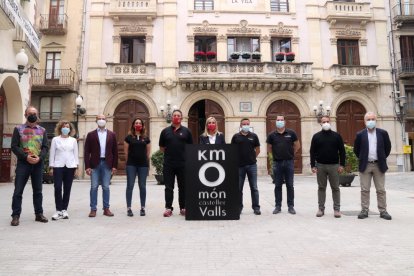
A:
(280, 124)
(65, 130)
(245, 128)
(370, 124)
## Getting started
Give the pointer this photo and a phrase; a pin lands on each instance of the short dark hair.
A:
(244, 119)
(177, 110)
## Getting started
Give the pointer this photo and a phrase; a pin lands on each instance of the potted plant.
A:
(280, 56)
(235, 55)
(47, 177)
(246, 55)
(211, 55)
(270, 164)
(256, 55)
(351, 166)
(157, 160)
(290, 56)
(199, 55)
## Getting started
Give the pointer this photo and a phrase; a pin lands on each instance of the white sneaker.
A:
(57, 215)
(65, 214)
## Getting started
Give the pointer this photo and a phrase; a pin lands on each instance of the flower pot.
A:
(290, 58)
(159, 178)
(235, 56)
(211, 55)
(345, 180)
(280, 57)
(246, 56)
(47, 178)
(256, 56)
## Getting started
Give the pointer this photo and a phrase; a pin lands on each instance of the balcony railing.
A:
(348, 11)
(53, 24)
(354, 76)
(6, 22)
(244, 76)
(133, 8)
(54, 80)
(124, 74)
(405, 67)
(403, 12)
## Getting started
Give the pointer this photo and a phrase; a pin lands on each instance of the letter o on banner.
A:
(202, 174)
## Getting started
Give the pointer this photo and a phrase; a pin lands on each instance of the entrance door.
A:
(350, 120)
(292, 118)
(124, 114)
(198, 114)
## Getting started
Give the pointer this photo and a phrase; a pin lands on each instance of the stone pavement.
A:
(269, 244)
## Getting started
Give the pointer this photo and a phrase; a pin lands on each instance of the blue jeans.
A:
(25, 170)
(132, 172)
(63, 176)
(251, 171)
(283, 170)
(100, 174)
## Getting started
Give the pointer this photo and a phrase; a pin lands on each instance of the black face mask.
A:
(32, 118)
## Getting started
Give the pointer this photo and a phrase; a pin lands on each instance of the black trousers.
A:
(63, 176)
(169, 179)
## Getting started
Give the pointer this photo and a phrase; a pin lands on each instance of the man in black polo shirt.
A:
(283, 143)
(327, 156)
(248, 148)
(172, 142)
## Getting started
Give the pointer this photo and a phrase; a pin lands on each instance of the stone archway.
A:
(350, 120)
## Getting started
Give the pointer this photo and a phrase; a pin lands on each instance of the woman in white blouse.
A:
(63, 161)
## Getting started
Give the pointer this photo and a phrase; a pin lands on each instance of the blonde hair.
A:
(210, 119)
(60, 124)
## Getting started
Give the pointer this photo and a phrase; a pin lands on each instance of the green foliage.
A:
(270, 161)
(351, 161)
(157, 160)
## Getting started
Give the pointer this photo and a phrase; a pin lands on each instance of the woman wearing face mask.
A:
(63, 163)
(211, 134)
(137, 150)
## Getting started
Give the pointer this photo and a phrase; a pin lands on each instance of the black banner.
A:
(212, 182)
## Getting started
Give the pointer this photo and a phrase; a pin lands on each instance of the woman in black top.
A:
(137, 150)
(211, 134)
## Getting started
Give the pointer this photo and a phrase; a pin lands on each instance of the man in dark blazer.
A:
(372, 147)
(101, 161)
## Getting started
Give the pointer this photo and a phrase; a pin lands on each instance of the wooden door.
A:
(198, 114)
(124, 114)
(350, 120)
(292, 118)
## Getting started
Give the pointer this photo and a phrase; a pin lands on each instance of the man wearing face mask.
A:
(29, 144)
(327, 156)
(372, 147)
(283, 143)
(101, 161)
(172, 142)
(248, 148)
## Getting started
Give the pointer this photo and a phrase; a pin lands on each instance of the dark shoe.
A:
(129, 213)
(92, 213)
(41, 218)
(292, 211)
(277, 210)
(15, 221)
(257, 212)
(142, 212)
(385, 215)
(320, 213)
(337, 213)
(167, 213)
(363, 214)
(108, 212)
(182, 212)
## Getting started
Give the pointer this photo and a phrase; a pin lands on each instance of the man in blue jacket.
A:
(372, 147)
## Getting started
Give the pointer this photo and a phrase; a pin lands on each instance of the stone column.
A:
(265, 49)
(221, 48)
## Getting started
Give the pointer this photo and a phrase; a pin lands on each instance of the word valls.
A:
(213, 155)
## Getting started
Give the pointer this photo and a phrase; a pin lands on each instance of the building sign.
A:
(242, 3)
(212, 188)
(5, 158)
(407, 149)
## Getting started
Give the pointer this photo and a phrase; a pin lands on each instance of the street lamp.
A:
(167, 114)
(21, 59)
(320, 111)
(79, 111)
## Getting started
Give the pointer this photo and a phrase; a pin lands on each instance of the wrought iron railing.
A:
(57, 77)
(406, 65)
(53, 22)
(403, 9)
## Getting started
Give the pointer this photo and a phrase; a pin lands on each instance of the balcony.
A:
(6, 21)
(354, 76)
(62, 80)
(348, 11)
(130, 75)
(54, 24)
(403, 13)
(405, 68)
(259, 76)
(133, 8)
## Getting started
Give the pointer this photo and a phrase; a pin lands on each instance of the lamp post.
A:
(21, 59)
(321, 111)
(167, 113)
(79, 111)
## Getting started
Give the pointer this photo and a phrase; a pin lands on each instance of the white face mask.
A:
(326, 126)
(101, 122)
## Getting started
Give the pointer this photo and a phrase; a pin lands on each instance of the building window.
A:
(133, 50)
(280, 44)
(203, 5)
(348, 52)
(407, 53)
(205, 48)
(56, 13)
(279, 5)
(53, 67)
(51, 108)
(241, 45)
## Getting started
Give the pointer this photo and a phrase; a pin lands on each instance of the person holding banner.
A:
(248, 148)
(172, 142)
(211, 135)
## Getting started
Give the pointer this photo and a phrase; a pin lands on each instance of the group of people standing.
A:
(29, 143)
